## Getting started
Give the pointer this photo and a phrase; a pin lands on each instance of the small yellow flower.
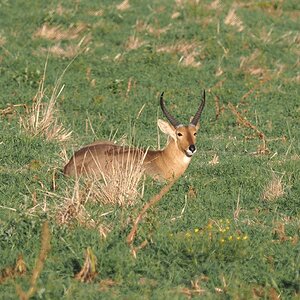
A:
(238, 238)
(245, 237)
(188, 234)
(230, 238)
(227, 221)
(222, 241)
(209, 226)
(196, 230)
(227, 227)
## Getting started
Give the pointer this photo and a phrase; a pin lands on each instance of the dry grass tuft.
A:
(133, 43)
(88, 271)
(182, 3)
(59, 51)
(175, 15)
(123, 5)
(215, 5)
(252, 65)
(274, 189)
(72, 207)
(233, 20)
(106, 284)
(215, 160)
(41, 119)
(266, 36)
(97, 13)
(68, 51)
(121, 185)
(56, 33)
(12, 272)
(142, 26)
(189, 51)
(195, 288)
(2, 40)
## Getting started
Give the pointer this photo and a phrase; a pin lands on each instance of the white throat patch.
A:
(187, 159)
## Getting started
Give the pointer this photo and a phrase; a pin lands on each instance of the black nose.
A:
(192, 148)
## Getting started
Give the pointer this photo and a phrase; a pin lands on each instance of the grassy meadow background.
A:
(229, 228)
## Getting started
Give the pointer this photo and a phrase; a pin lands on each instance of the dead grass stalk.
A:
(36, 272)
(155, 199)
(263, 149)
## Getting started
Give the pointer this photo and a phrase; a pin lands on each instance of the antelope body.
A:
(167, 164)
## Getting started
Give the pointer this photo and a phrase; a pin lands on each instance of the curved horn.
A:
(199, 111)
(171, 119)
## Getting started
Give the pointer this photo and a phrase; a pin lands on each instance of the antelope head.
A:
(183, 135)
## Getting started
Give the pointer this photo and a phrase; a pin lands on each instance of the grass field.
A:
(229, 228)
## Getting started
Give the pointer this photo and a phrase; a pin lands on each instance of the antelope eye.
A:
(179, 134)
(195, 133)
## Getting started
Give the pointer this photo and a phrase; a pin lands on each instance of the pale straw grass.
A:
(122, 184)
(41, 118)
(274, 188)
(2, 40)
(134, 43)
(57, 33)
(189, 52)
(232, 19)
(124, 5)
(67, 51)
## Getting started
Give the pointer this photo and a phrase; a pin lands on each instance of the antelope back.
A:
(99, 158)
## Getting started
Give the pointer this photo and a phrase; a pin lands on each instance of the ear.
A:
(166, 128)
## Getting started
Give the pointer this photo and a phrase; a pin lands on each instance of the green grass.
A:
(261, 59)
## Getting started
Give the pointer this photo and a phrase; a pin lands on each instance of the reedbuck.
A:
(167, 164)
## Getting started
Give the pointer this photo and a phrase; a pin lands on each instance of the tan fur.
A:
(167, 164)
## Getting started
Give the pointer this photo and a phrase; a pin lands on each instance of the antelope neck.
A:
(176, 156)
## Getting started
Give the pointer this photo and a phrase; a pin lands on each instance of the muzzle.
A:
(191, 150)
